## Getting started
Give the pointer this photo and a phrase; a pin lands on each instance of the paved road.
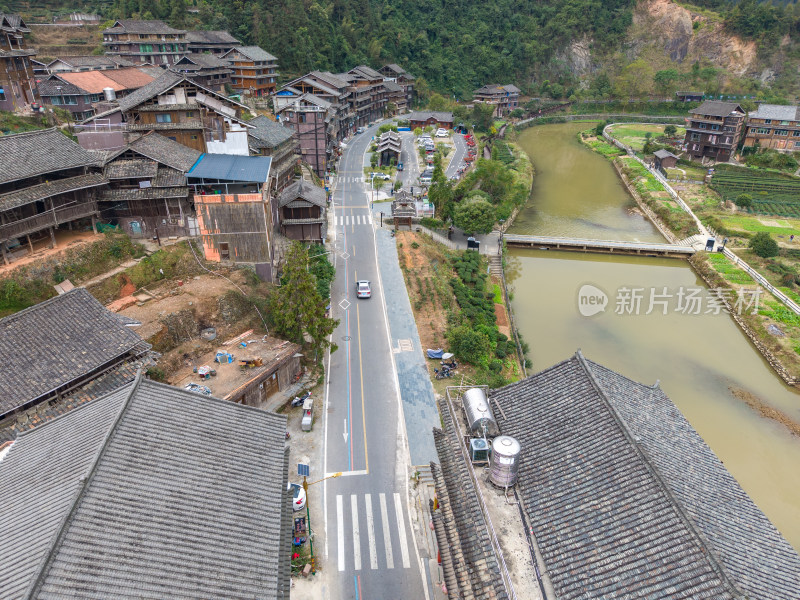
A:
(370, 548)
(458, 157)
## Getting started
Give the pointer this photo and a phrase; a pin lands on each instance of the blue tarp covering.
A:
(435, 353)
(229, 167)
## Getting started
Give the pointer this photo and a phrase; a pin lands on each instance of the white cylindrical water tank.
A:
(110, 94)
(504, 462)
(479, 413)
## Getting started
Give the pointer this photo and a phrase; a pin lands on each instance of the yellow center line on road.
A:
(361, 376)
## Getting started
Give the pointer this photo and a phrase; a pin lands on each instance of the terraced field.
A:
(772, 195)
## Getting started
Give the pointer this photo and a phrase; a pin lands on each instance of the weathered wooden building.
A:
(148, 195)
(389, 148)
(302, 212)
(208, 70)
(233, 204)
(177, 108)
(278, 141)
(714, 130)
(213, 42)
(255, 71)
(774, 126)
(47, 182)
(17, 84)
(145, 42)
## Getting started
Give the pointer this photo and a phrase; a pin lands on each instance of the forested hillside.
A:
(458, 45)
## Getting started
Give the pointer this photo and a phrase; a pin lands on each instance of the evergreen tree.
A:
(297, 308)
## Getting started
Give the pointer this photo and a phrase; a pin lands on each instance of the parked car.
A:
(383, 176)
(298, 496)
(360, 130)
(441, 132)
(363, 289)
(399, 166)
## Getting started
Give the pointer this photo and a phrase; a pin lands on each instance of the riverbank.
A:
(772, 330)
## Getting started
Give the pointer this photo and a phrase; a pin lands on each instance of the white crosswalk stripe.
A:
(401, 529)
(340, 518)
(387, 540)
(356, 533)
(348, 220)
(373, 553)
(349, 538)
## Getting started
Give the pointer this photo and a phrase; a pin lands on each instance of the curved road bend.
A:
(370, 550)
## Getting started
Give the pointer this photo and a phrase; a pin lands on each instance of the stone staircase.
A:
(496, 265)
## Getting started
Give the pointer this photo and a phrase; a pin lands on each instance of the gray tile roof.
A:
(151, 193)
(442, 117)
(715, 108)
(137, 26)
(211, 37)
(51, 85)
(754, 553)
(166, 151)
(394, 68)
(131, 169)
(38, 152)
(469, 565)
(616, 481)
(158, 86)
(777, 112)
(329, 78)
(46, 190)
(664, 154)
(391, 86)
(148, 492)
(304, 190)
(15, 22)
(252, 52)
(92, 61)
(55, 342)
(206, 61)
(105, 383)
(267, 133)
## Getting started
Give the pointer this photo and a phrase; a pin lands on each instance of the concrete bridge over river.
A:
(538, 242)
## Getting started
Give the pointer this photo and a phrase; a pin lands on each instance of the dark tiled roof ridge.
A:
(31, 309)
(711, 555)
(57, 539)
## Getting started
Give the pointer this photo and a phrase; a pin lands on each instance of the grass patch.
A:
(753, 224)
(778, 312)
(726, 268)
(633, 134)
(498, 294)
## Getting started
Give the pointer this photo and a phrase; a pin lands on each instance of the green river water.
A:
(700, 360)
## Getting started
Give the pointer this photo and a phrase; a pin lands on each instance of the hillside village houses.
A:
(17, 87)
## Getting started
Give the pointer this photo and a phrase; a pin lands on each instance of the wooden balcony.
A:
(50, 218)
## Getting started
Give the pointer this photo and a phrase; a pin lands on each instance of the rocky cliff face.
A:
(665, 33)
(670, 27)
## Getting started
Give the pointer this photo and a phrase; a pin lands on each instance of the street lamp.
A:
(307, 485)
(372, 184)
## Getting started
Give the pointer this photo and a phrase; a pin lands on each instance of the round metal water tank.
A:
(479, 413)
(504, 462)
(110, 94)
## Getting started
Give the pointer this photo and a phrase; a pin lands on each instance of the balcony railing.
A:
(50, 218)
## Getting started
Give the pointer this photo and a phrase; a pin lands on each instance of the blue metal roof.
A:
(228, 167)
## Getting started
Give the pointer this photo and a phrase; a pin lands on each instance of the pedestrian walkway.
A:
(419, 405)
(489, 242)
(348, 220)
(370, 532)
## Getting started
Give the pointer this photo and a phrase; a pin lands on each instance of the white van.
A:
(360, 130)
